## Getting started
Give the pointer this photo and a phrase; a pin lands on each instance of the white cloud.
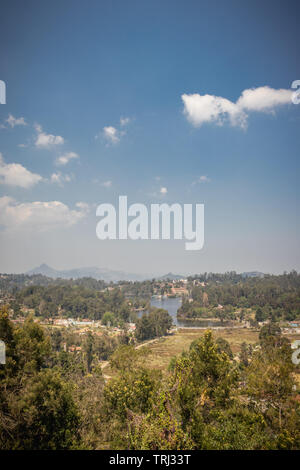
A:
(200, 109)
(12, 121)
(124, 121)
(263, 98)
(106, 184)
(111, 134)
(208, 108)
(60, 179)
(38, 128)
(84, 206)
(163, 190)
(15, 174)
(65, 158)
(202, 179)
(38, 215)
(44, 140)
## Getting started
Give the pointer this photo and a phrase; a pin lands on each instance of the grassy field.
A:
(162, 350)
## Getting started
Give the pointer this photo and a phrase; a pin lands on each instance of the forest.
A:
(72, 388)
(51, 399)
(275, 297)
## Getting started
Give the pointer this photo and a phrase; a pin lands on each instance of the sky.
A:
(164, 102)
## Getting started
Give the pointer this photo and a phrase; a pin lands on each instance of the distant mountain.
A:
(103, 274)
(171, 277)
(253, 274)
(94, 272)
(45, 270)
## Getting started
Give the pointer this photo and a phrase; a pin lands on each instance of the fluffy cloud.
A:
(66, 157)
(44, 140)
(124, 121)
(111, 134)
(60, 179)
(264, 99)
(208, 108)
(15, 174)
(38, 215)
(200, 109)
(12, 121)
(84, 206)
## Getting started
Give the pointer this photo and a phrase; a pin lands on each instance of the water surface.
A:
(173, 304)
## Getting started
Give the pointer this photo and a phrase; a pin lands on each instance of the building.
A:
(179, 291)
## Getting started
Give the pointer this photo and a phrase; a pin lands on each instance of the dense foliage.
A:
(55, 393)
(153, 324)
(275, 297)
(73, 300)
(37, 409)
(54, 400)
(14, 282)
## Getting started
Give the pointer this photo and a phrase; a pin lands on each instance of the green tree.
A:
(36, 406)
(259, 315)
(153, 324)
(108, 319)
(224, 346)
(270, 379)
(244, 355)
(89, 350)
(45, 415)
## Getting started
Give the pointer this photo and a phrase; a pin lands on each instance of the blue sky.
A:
(74, 69)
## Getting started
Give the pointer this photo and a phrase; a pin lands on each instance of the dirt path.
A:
(106, 363)
(146, 343)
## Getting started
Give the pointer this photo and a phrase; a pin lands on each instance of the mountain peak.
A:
(104, 274)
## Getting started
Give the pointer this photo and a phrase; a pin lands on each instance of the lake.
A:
(173, 304)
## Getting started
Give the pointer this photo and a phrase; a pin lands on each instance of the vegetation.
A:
(272, 297)
(208, 400)
(203, 404)
(154, 324)
(89, 388)
(37, 409)
(73, 300)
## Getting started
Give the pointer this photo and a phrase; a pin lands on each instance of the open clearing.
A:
(163, 349)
